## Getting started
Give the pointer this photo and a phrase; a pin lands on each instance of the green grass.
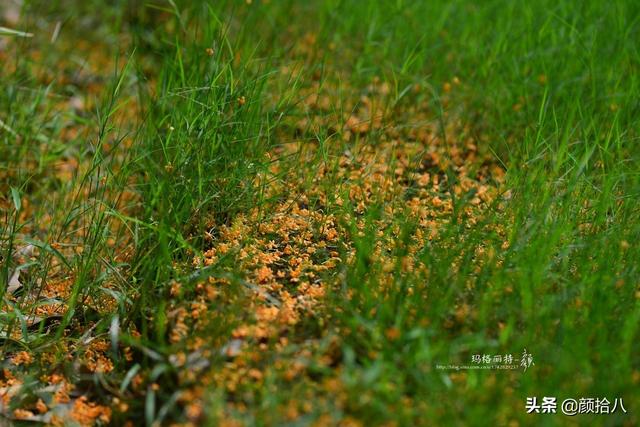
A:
(174, 144)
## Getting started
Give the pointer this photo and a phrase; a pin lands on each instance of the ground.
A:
(319, 213)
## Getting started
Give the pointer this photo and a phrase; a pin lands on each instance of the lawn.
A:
(320, 212)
